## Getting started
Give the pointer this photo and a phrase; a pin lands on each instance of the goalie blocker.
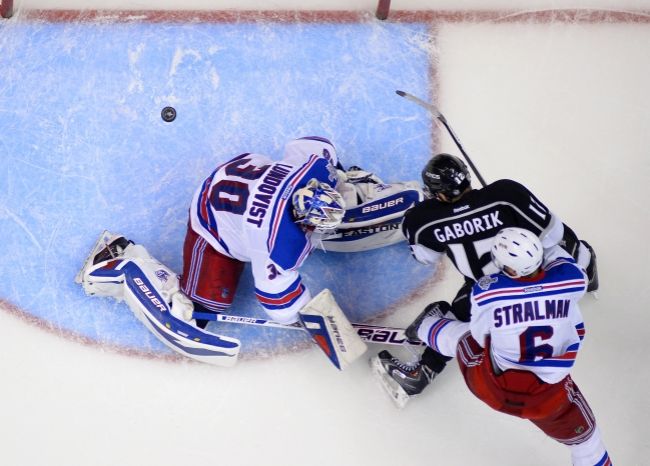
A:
(331, 330)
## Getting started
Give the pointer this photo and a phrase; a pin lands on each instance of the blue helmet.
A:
(318, 205)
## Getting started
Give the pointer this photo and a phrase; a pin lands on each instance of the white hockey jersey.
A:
(536, 327)
(243, 209)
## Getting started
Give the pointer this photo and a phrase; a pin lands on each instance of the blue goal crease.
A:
(86, 149)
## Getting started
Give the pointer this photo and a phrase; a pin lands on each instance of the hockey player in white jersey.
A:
(518, 349)
(268, 213)
(253, 209)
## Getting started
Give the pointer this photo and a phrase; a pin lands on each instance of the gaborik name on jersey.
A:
(468, 227)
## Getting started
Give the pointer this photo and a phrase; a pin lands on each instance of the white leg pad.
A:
(151, 290)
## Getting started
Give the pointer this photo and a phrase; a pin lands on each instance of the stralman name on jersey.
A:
(530, 311)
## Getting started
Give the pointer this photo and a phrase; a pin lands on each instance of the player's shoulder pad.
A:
(420, 212)
(506, 190)
(506, 184)
(565, 268)
(412, 219)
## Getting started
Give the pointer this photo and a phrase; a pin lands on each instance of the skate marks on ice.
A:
(88, 150)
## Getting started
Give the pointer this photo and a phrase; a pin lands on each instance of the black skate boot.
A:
(112, 250)
(401, 381)
(437, 309)
(108, 246)
(592, 269)
(413, 378)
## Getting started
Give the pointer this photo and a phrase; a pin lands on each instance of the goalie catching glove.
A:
(374, 211)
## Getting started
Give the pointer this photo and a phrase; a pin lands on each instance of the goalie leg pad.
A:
(151, 290)
(151, 309)
(331, 330)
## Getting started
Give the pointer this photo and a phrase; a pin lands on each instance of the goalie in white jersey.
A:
(271, 214)
(522, 341)
(253, 209)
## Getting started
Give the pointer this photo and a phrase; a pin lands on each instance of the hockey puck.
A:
(168, 114)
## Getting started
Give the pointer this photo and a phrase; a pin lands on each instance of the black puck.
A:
(168, 114)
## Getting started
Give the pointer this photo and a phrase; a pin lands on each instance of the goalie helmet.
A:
(517, 249)
(318, 205)
(445, 174)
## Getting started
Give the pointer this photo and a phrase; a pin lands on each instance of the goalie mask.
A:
(318, 205)
(519, 250)
(445, 174)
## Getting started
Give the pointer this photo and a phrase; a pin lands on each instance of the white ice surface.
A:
(562, 108)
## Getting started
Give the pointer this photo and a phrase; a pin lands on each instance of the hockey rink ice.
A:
(558, 101)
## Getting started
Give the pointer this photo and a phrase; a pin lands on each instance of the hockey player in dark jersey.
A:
(461, 222)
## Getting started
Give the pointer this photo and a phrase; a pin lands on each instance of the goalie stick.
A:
(441, 118)
(369, 333)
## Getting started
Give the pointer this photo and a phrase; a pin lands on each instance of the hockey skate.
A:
(108, 246)
(592, 269)
(437, 309)
(401, 381)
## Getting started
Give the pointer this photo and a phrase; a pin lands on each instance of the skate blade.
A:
(392, 388)
(100, 244)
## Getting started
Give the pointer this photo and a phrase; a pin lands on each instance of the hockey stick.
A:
(369, 333)
(441, 118)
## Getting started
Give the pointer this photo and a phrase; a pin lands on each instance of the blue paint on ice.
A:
(84, 148)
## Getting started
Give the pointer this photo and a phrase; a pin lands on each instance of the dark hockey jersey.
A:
(464, 229)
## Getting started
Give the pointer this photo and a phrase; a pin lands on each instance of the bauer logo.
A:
(150, 295)
(383, 205)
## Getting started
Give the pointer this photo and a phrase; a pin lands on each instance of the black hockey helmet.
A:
(445, 174)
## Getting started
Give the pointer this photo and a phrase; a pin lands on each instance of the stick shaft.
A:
(441, 118)
(369, 333)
